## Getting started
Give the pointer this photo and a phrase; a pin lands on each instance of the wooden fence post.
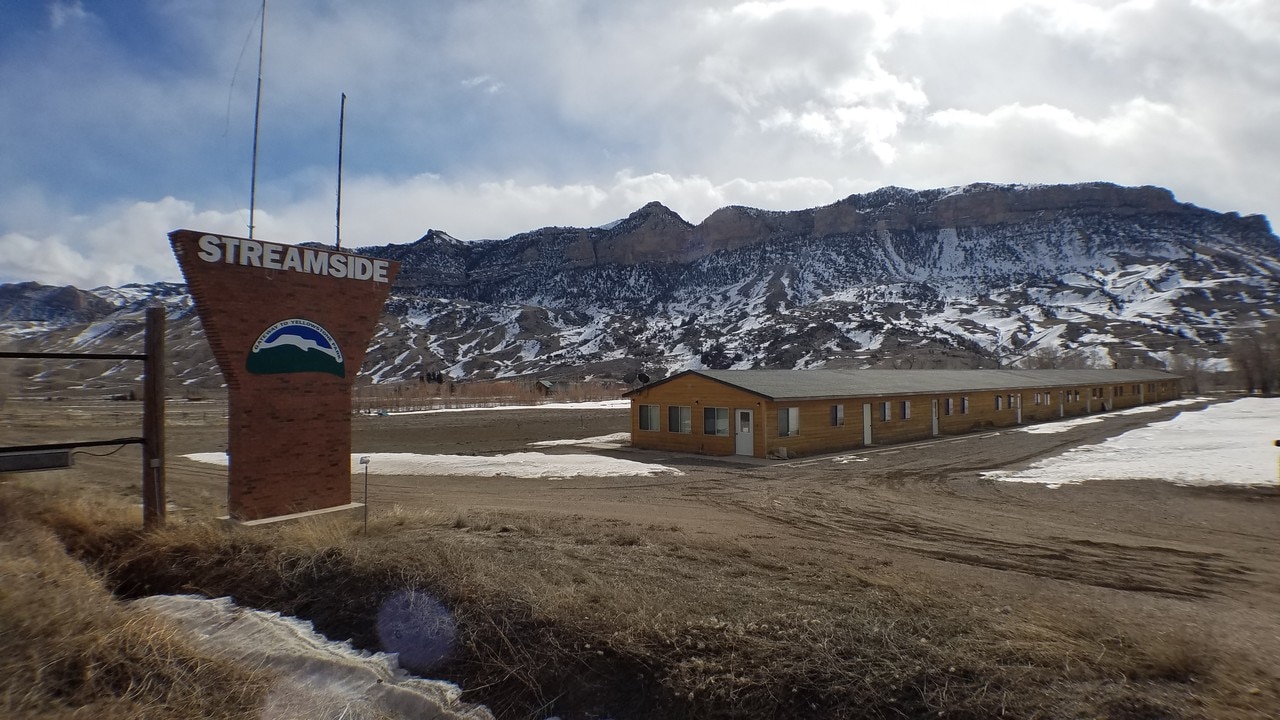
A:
(153, 494)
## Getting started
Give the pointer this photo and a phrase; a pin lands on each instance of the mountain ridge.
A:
(949, 277)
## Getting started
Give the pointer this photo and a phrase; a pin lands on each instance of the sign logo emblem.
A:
(295, 345)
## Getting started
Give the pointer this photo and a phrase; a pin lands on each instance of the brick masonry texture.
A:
(289, 435)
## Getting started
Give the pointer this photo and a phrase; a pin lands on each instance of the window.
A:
(679, 419)
(837, 415)
(1077, 396)
(906, 409)
(649, 417)
(964, 406)
(998, 399)
(788, 421)
(886, 411)
(1119, 391)
(947, 409)
(715, 421)
(1011, 405)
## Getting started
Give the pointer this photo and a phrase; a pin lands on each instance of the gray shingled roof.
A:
(800, 384)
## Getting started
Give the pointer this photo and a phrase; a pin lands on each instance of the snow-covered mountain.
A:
(955, 277)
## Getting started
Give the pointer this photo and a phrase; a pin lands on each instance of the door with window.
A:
(744, 438)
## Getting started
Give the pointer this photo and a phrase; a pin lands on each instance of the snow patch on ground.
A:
(619, 438)
(521, 465)
(315, 677)
(1225, 444)
(1059, 426)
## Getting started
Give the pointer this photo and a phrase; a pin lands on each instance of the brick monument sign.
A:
(289, 327)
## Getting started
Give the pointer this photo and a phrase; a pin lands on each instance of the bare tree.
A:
(1255, 355)
(1052, 357)
(1193, 366)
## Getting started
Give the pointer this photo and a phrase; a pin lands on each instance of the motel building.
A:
(791, 413)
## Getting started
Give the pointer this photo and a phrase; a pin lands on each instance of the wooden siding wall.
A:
(817, 434)
(696, 393)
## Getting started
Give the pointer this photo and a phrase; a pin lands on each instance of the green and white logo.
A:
(296, 345)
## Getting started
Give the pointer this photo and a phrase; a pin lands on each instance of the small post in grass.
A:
(364, 460)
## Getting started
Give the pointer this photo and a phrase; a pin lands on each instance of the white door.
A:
(1062, 403)
(866, 424)
(1017, 402)
(935, 418)
(745, 444)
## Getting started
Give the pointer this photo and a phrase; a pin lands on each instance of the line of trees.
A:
(1255, 355)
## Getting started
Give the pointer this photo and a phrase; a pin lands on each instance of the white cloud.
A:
(489, 117)
(62, 13)
(116, 244)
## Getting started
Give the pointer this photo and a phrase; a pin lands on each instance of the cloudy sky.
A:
(121, 121)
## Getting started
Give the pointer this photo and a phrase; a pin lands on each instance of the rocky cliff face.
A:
(936, 278)
(35, 302)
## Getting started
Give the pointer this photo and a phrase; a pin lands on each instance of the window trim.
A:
(657, 415)
(793, 421)
(715, 422)
(685, 422)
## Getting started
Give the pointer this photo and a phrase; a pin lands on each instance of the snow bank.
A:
(1225, 444)
(1058, 426)
(314, 677)
(522, 465)
(619, 438)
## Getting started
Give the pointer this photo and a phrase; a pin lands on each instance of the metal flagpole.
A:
(342, 118)
(257, 108)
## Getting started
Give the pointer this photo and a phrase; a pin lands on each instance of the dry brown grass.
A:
(582, 620)
(67, 647)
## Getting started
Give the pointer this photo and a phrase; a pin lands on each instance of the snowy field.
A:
(1225, 444)
(521, 465)
(1065, 425)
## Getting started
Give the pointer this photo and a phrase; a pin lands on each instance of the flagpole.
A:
(257, 108)
(342, 117)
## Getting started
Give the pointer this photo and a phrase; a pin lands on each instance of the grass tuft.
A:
(68, 647)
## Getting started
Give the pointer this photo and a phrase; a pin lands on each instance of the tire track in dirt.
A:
(1151, 568)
